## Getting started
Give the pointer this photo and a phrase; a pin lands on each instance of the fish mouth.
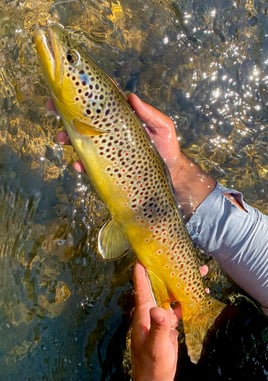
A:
(52, 34)
(49, 44)
(43, 43)
(48, 49)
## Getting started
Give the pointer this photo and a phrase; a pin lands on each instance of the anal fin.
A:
(159, 290)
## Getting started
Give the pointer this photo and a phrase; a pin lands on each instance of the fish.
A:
(130, 178)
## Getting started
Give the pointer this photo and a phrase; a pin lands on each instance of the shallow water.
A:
(63, 312)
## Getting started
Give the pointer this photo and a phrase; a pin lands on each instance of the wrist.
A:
(191, 185)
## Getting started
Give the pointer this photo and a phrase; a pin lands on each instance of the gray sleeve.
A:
(237, 239)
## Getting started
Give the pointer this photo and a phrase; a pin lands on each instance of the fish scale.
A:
(131, 179)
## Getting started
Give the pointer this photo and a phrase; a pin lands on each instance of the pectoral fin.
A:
(86, 129)
(112, 243)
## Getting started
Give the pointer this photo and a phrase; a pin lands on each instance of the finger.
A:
(50, 106)
(203, 270)
(176, 308)
(62, 138)
(152, 117)
(78, 166)
(143, 292)
(162, 326)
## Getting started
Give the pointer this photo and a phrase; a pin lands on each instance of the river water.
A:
(64, 313)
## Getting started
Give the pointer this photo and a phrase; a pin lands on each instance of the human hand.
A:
(154, 336)
(161, 130)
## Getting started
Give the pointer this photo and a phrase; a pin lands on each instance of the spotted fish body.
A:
(130, 178)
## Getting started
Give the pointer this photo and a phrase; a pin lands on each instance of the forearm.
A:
(237, 237)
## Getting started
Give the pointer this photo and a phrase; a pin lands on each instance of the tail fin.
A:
(197, 325)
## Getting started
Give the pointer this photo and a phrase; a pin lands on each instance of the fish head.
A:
(82, 92)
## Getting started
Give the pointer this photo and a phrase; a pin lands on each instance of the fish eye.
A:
(73, 57)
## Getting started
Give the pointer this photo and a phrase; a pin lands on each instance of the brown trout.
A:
(130, 177)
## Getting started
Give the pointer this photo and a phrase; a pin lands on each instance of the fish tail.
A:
(197, 325)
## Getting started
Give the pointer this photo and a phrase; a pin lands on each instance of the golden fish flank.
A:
(130, 178)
